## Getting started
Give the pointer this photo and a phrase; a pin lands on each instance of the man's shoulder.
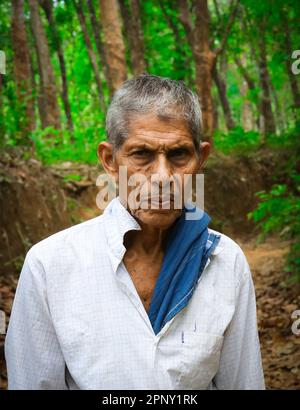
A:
(230, 257)
(75, 235)
(225, 242)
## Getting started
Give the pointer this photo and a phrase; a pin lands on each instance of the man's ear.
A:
(204, 150)
(107, 159)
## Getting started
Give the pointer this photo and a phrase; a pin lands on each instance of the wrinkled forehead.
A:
(155, 132)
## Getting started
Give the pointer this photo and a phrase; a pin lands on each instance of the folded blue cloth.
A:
(188, 248)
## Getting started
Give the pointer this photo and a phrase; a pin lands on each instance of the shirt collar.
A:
(118, 221)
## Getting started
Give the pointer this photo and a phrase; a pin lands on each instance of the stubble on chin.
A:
(155, 218)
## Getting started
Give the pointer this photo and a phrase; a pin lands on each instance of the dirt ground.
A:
(275, 304)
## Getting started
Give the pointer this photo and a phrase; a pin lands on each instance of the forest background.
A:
(60, 63)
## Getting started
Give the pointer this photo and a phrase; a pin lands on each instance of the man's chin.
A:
(161, 218)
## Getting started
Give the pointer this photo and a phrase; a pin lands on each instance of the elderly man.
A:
(140, 297)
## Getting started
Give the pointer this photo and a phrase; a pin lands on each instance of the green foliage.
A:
(166, 54)
(278, 209)
(240, 141)
(236, 140)
(72, 177)
(278, 212)
(53, 146)
(288, 139)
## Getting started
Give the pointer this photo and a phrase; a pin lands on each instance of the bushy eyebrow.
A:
(152, 149)
(181, 146)
(140, 146)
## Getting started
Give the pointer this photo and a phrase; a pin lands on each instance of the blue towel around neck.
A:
(187, 250)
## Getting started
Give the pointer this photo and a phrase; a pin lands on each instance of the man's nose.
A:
(161, 172)
(162, 167)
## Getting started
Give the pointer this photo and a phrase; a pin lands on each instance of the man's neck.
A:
(148, 241)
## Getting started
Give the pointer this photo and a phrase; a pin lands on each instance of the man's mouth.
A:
(159, 201)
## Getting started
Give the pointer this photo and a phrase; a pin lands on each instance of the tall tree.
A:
(221, 87)
(255, 33)
(97, 29)
(288, 51)
(48, 8)
(183, 61)
(2, 122)
(92, 56)
(247, 116)
(113, 43)
(269, 126)
(50, 113)
(205, 59)
(247, 84)
(219, 76)
(250, 82)
(22, 70)
(132, 24)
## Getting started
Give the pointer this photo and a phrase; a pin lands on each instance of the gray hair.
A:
(147, 93)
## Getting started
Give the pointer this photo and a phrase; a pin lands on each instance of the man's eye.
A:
(141, 153)
(178, 153)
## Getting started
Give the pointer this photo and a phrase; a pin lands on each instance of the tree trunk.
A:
(288, 52)
(2, 122)
(249, 84)
(37, 88)
(245, 74)
(221, 87)
(266, 107)
(33, 70)
(198, 39)
(97, 29)
(204, 57)
(113, 44)
(91, 54)
(247, 117)
(267, 120)
(133, 29)
(48, 8)
(22, 70)
(205, 61)
(184, 60)
(50, 112)
(278, 111)
(216, 114)
(45, 91)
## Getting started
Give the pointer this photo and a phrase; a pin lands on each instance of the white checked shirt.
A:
(78, 323)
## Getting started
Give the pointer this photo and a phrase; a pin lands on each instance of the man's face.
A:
(162, 149)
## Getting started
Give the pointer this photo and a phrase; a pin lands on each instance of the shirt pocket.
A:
(199, 359)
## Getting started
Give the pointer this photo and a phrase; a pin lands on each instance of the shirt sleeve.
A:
(33, 355)
(240, 363)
